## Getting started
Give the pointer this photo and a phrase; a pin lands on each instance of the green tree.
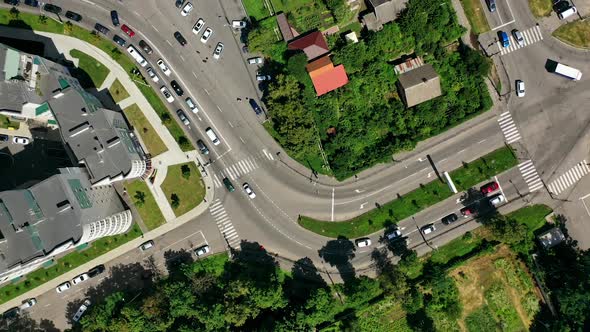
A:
(42, 19)
(68, 27)
(14, 13)
(183, 142)
(174, 201)
(139, 198)
(186, 171)
(102, 314)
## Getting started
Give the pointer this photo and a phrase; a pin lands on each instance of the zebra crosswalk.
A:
(241, 167)
(569, 178)
(508, 128)
(530, 175)
(530, 36)
(224, 224)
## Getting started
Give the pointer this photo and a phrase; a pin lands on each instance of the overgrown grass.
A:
(576, 33)
(532, 216)
(474, 11)
(256, 9)
(118, 92)
(190, 191)
(148, 210)
(94, 68)
(416, 200)
(148, 134)
(5, 122)
(67, 263)
(456, 248)
(541, 8)
(481, 320)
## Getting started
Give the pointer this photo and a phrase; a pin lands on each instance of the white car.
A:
(191, 104)
(167, 94)
(146, 245)
(518, 37)
(519, 88)
(81, 310)
(186, 9)
(497, 200)
(28, 303)
(164, 68)
(236, 24)
(260, 77)
(81, 278)
(362, 243)
(217, 51)
(198, 26)
(249, 190)
(202, 250)
(428, 229)
(152, 73)
(20, 140)
(255, 61)
(206, 35)
(63, 287)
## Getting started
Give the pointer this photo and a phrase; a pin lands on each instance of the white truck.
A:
(567, 71)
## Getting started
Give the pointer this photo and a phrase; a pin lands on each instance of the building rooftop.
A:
(419, 85)
(285, 27)
(384, 11)
(313, 44)
(325, 76)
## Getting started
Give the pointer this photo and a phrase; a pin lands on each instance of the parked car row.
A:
(15, 139)
(80, 279)
(200, 251)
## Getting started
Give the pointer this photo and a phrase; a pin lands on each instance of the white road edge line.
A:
(501, 190)
(332, 204)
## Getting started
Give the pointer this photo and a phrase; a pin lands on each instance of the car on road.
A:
(28, 303)
(179, 3)
(180, 38)
(163, 67)
(206, 35)
(167, 94)
(12, 2)
(145, 47)
(146, 245)
(93, 272)
(11, 313)
(152, 74)
(255, 61)
(81, 310)
(32, 3)
(248, 190)
(52, 8)
(255, 106)
(120, 41)
(127, 30)
(202, 147)
(519, 88)
(363, 242)
(449, 219)
(427, 229)
(4, 138)
(228, 185)
(101, 28)
(262, 77)
(63, 287)
(20, 140)
(491, 5)
(191, 104)
(217, 51)
(81, 278)
(115, 18)
(393, 234)
(198, 26)
(73, 16)
(489, 187)
(518, 37)
(497, 200)
(202, 250)
(504, 40)
(212, 136)
(237, 24)
(182, 117)
(567, 13)
(176, 87)
(467, 211)
(187, 9)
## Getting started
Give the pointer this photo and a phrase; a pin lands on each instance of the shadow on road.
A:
(339, 253)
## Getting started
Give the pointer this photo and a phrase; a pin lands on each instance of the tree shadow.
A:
(253, 263)
(305, 279)
(18, 323)
(420, 321)
(338, 253)
(175, 260)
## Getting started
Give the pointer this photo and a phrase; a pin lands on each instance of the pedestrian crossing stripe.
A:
(569, 178)
(508, 128)
(224, 224)
(240, 168)
(530, 36)
(530, 175)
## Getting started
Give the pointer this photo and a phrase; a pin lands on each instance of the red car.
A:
(127, 30)
(467, 211)
(488, 188)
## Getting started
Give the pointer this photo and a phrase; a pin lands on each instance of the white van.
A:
(212, 136)
(567, 13)
(135, 54)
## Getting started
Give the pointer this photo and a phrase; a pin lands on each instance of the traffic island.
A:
(575, 34)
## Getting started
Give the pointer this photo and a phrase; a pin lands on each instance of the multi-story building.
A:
(53, 216)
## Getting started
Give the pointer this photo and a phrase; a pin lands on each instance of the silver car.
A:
(206, 35)
(81, 310)
(518, 37)
(218, 50)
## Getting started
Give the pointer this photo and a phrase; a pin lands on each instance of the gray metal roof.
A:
(387, 10)
(551, 238)
(419, 85)
(35, 221)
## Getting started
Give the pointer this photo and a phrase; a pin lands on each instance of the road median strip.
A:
(414, 201)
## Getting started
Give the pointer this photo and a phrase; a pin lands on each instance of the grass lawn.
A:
(149, 211)
(476, 16)
(148, 134)
(96, 70)
(533, 216)
(67, 263)
(190, 191)
(256, 9)
(414, 201)
(118, 92)
(457, 247)
(541, 8)
(5, 122)
(575, 33)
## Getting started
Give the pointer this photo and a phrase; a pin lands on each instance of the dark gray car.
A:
(202, 147)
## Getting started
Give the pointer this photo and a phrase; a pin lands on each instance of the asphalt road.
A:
(550, 120)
